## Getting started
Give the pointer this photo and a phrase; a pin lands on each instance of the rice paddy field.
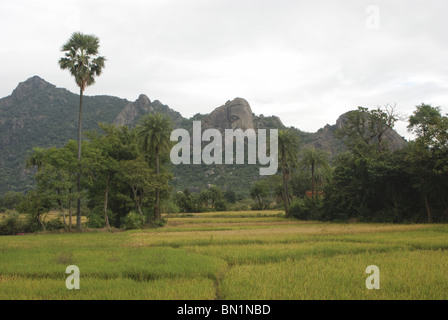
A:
(231, 256)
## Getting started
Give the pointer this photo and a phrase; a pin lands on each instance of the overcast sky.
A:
(305, 61)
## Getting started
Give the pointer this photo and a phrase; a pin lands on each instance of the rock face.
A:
(395, 141)
(133, 111)
(325, 138)
(235, 114)
(268, 122)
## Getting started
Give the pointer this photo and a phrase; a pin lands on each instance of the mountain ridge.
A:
(37, 113)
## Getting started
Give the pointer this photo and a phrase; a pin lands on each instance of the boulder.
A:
(235, 114)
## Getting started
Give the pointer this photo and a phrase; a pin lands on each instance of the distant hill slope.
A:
(38, 113)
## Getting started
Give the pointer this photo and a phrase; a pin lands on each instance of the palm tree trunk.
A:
(313, 186)
(63, 214)
(70, 210)
(428, 210)
(285, 192)
(156, 207)
(78, 209)
(285, 183)
(106, 200)
(61, 208)
(106, 216)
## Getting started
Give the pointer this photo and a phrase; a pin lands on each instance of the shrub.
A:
(169, 207)
(132, 220)
(11, 199)
(13, 224)
(220, 205)
(159, 223)
(241, 205)
(54, 225)
(306, 209)
(95, 218)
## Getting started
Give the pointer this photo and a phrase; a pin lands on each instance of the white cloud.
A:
(306, 61)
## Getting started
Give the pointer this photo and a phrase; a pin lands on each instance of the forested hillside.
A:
(38, 114)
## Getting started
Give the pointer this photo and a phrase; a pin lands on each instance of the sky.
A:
(304, 61)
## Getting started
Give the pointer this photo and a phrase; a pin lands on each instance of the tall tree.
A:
(37, 159)
(364, 130)
(427, 123)
(430, 153)
(153, 132)
(140, 178)
(260, 192)
(84, 64)
(288, 146)
(312, 158)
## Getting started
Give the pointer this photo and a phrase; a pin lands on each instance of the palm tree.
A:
(84, 64)
(36, 159)
(312, 158)
(288, 145)
(153, 133)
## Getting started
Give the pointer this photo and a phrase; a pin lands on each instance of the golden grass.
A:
(415, 275)
(230, 255)
(50, 216)
(289, 231)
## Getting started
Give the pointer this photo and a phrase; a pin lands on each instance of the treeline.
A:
(126, 177)
(371, 182)
(123, 178)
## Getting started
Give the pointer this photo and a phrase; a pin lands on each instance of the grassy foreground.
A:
(230, 255)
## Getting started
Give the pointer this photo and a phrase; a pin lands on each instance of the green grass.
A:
(230, 255)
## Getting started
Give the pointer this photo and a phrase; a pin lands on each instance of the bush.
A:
(241, 205)
(95, 218)
(159, 223)
(132, 220)
(169, 207)
(220, 205)
(13, 224)
(11, 199)
(54, 225)
(306, 209)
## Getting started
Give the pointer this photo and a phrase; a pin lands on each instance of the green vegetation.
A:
(127, 172)
(82, 61)
(288, 146)
(159, 231)
(230, 255)
(371, 182)
(154, 133)
(43, 116)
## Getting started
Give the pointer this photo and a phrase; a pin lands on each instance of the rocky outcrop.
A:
(394, 140)
(268, 122)
(133, 111)
(235, 114)
(31, 85)
(325, 138)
